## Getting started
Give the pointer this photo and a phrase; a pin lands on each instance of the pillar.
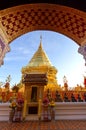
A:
(82, 51)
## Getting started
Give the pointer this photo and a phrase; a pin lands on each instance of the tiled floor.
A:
(45, 125)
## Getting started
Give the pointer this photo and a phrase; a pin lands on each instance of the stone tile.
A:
(42, 125)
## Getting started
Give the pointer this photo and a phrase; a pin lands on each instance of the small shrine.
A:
(34, 87)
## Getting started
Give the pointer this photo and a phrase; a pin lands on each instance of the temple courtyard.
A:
(45, 125)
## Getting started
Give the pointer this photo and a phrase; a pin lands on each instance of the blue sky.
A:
(62, 52)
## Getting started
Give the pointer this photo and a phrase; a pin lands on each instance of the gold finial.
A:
(40, 38)
(40, 42)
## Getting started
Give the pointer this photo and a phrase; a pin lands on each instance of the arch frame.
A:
(65, 20)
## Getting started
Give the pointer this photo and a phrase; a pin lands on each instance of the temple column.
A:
(27, 99)
(82, 51)
(40, 97)
(4, 48)
(24, 109)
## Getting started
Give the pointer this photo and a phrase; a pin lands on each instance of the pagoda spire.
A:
(40, 46)
(40, 38)
(40, 58)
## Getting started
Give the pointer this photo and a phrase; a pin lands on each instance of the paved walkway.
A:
(42, 125)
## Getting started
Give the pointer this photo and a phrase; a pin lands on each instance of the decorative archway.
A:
(19, 20)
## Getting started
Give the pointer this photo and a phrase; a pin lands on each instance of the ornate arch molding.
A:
(19, 20)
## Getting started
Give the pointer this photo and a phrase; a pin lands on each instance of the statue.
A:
(58, 97)
(66, 98)
(73, 99)
(79, 98)
(84, 97)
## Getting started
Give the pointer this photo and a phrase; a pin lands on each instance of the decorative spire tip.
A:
(40, 38)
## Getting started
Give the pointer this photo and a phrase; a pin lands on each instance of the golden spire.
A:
(40, 46)
(40, 38)
(40, 58)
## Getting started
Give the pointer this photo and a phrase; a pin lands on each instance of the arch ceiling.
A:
(19, 17)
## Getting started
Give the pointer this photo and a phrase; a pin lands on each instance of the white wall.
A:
(70, 110)
(4, 111)
(63, 111)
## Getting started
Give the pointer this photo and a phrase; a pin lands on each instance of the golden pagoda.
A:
(38, 76)
(39, 64)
